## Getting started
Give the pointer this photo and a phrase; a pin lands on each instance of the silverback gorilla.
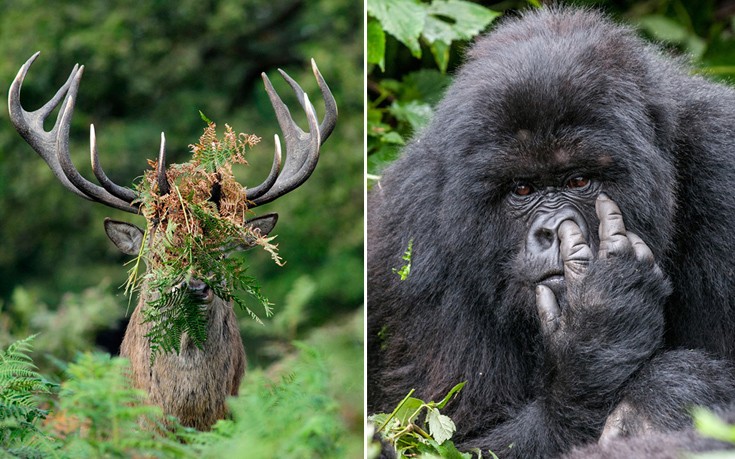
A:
(571, 207)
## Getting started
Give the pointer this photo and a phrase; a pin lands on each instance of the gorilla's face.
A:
(543, 205)
(532, 156)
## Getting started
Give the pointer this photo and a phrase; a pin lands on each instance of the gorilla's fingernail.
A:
(602, 195)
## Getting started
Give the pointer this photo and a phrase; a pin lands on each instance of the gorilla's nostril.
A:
(545, 237)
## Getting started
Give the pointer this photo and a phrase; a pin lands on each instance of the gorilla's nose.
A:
(543, 233)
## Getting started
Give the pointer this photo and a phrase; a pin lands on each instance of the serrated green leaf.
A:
(375, 44)
(403, 19)
(441, 427)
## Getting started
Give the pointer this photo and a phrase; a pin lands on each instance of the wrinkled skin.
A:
(571, 212)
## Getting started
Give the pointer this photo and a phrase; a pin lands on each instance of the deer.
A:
(193, 384)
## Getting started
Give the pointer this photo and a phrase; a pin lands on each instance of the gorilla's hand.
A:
(577, 256)
(612, 319)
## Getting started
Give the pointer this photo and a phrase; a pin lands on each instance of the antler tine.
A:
(163, 187)
(330, 105)
(330, 116)
(30, 124)
(260, 190)
(95, 192)
(124, 193)
(53, 146)
(302, 149)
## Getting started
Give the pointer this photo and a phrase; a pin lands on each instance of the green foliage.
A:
(63, 329)
(100, 415)
(405, 270)
(292, 418)
(20, 384)
(417, 428)
(399, 108)
(438, 24)
(710, 425)
(188, 231)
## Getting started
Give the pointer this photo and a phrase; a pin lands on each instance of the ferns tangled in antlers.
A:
(192, 227)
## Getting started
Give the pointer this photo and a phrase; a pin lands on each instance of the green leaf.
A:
(408, 411)
(440, 51)
(447, 450)
(428, 85)
(375, 44)
(441, 427)
(415, 113)
(204, 117)
(449, 395)
(404, 19)
(663, 28)
(460, 20)
(392, 137)
(712, 426)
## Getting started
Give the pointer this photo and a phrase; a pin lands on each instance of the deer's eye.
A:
(578, 182)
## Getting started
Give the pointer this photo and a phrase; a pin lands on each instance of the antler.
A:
(53, 145)
(302, 147)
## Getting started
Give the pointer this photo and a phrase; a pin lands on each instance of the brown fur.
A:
(193, 385)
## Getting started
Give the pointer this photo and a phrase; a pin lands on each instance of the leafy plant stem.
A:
(393, 414)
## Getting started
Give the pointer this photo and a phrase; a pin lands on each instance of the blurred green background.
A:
(150, 67)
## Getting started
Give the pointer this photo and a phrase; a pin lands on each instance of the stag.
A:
(194, 384)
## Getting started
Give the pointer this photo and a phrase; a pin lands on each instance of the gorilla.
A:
(571, 208)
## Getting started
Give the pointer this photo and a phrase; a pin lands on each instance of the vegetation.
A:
(151, 67)
(417, 428)
(190, 231)
(97, 414)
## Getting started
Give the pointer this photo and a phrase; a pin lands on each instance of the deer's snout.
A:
(200, 290)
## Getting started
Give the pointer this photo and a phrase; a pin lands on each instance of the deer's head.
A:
(302, 154)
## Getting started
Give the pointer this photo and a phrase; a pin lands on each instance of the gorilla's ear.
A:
(264, 224)
(126, 236)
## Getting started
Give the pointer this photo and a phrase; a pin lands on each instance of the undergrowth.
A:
(95, 413)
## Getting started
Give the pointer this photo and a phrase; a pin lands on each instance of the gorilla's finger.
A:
(575, 253)
(642, 251)
(548, 309)
(613, 238)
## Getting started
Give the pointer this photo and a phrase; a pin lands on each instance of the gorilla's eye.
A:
(522, 189)
(578, 182)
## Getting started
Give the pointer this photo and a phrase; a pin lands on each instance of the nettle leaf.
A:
(404, 19)
(441, 427)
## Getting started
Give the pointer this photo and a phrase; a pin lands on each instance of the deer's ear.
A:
(264, 223)
(126, 236)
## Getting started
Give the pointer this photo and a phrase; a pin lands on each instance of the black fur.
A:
(558, 87)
